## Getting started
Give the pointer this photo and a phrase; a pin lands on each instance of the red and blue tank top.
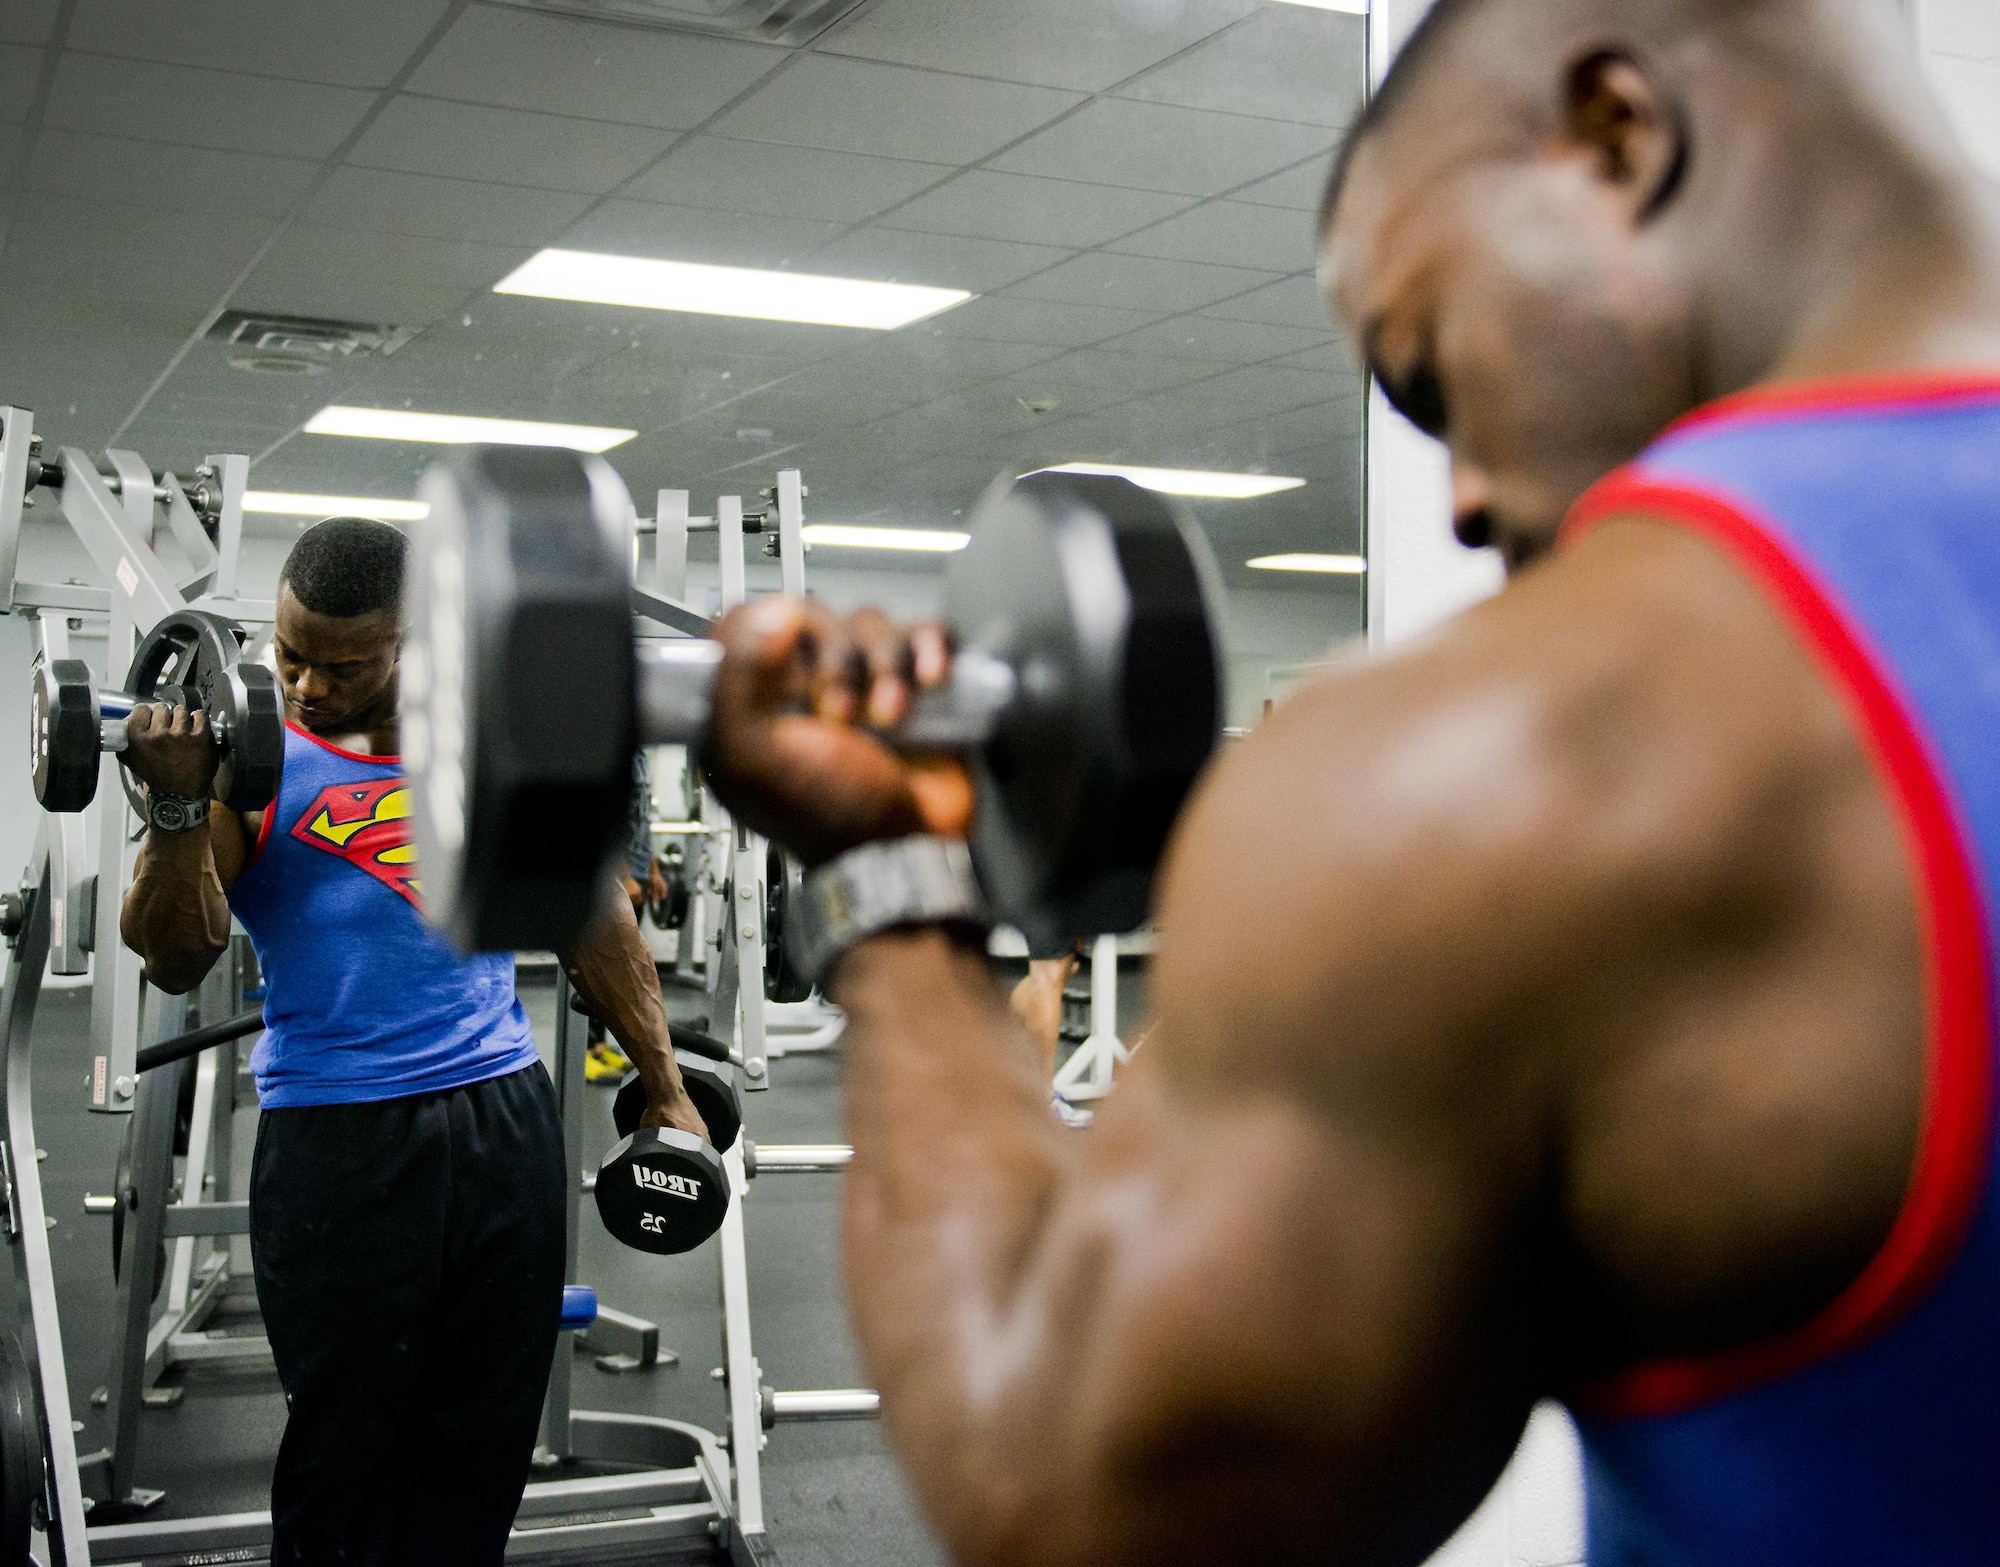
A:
(1868, 513)
(364, 1001)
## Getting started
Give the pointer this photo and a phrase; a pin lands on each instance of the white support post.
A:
(201, 1127)
(739, 1360)
(747, 923)
(670, 546)
(17, 433)
(792, 532)
(729, 523)
(232, 477)
(1089, 1072)
(114, 996)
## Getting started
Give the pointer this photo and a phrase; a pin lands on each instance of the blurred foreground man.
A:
(1630, 1038)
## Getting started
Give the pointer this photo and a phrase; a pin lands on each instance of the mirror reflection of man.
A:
(407, 1200)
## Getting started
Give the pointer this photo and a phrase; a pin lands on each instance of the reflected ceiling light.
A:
(1352, 7)
(1329, 565)
(1188, 481)
(924, 540)
(726, 291)
(280, 503)
(394, 424)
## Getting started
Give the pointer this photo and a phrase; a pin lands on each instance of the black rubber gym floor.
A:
(833, 1496)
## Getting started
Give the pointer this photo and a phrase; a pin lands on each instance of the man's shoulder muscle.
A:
(1599, 838)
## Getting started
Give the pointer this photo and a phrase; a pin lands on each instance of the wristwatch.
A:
(174, 813)
(878, 887)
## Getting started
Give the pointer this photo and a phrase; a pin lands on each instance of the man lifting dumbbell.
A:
(407, 1198)
(1595, 1001)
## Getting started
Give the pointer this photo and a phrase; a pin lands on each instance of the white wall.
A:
(1961, 47)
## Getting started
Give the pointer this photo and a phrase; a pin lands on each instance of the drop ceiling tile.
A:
(20, 68)
(1007, 320)
(505, 146)
(791, 182)
(1056, 43)
(890, 112)
(985, 204)
(382, 201)
(397, 278)
(85, 250)
(736, 239)
(1322, 423)
(1296, 301)
(10, 146)
(1262, 390)
(1139, 282)
(1229, 233)
(198, 108)
(1205, 337)
(28, 21)
(922, 353)
(1284, 63)
(1094, 378)
(1298, 188)
(357, 43)
(1161, 147)
(522, 59)
(937, 260)
(122, 172)
(1334, 354)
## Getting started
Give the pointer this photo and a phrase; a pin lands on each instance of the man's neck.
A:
(372, 732)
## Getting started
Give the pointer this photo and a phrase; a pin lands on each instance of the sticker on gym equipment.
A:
(368, 825)
(682, 1186)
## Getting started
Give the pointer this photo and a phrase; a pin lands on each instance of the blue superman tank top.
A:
(364, 1001)
(1869, 514)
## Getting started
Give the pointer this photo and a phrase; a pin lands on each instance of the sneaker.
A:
(604, 1062)
(1076, 1120)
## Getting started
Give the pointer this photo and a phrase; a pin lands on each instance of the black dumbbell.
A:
(711, 1088)
(189, 659)
(662, 1191)
(1086, 695)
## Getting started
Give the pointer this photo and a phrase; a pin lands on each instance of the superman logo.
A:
(368, 825)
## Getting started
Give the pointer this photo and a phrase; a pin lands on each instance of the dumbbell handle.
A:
(115, 707)
(677, 685)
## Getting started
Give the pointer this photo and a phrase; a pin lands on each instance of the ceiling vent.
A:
(301, 345)
(791, 22)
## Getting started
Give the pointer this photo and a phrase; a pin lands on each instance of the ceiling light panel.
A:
(279, 503)
(1352, 7)
(1324, 565)
(921, 540)
(399, 424)
(1189, 481)
(746, 293)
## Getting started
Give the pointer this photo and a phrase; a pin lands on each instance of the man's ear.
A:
(1617, 115)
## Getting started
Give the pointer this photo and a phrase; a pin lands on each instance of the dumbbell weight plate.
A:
(195, 659)
(517, 710)
(63, 736)
(1103, 598)
(21, 1463)
(782, 979)
(711, 1088)
(663, 1192)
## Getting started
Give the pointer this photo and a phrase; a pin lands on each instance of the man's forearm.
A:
(614, 973)
(176, 916)
(953, 1208)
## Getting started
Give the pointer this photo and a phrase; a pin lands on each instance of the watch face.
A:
(170, 814)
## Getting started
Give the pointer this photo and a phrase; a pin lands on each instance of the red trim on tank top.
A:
(263, 834)
(1893, 389)
(352, 756)
(1955, 1136)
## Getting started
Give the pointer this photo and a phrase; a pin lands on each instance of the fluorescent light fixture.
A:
(924, 540)
(398, 424)
(1187, 481)
(279, 503)
(726, 291)
(1353, 7)
(1329, 565)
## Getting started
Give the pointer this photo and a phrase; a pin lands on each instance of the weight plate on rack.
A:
(21, 1473)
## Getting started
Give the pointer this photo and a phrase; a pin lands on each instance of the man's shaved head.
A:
(1562, 223)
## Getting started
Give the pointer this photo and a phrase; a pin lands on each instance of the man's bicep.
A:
(1305, 1328)
(230, 837)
